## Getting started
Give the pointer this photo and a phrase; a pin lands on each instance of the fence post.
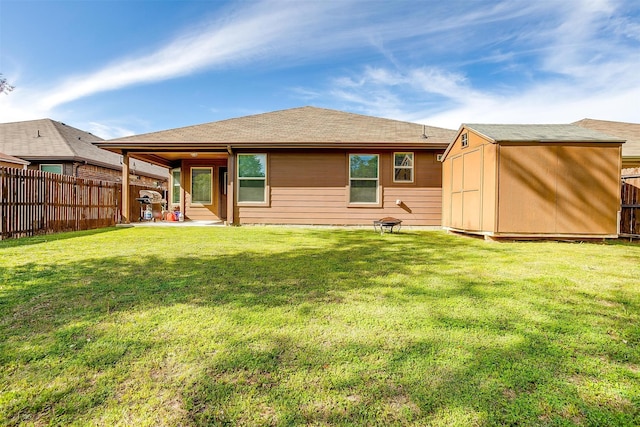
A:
(124, 215)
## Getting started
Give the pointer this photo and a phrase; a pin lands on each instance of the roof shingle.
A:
(301, 125)
(47, 139)
(541, 133)
(628, 131)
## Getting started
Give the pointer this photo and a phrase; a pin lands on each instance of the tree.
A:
(4, 86)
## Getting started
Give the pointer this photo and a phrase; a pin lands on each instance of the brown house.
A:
(627, 131)
(300, 166)
(532, 181)
(55, 147)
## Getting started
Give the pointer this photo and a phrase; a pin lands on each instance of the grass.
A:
(292, 326)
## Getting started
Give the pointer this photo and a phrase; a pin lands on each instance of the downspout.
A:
(76, 166)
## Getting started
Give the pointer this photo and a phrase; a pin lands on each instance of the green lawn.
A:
(294, 326)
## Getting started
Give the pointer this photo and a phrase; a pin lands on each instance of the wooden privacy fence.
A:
(34, 202)
(630, 212)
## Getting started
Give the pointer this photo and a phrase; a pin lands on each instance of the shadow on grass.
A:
(460, 354)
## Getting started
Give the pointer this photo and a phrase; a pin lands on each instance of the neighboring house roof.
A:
(308, 126)
(49, 140)
(11, 159)
(628, 131)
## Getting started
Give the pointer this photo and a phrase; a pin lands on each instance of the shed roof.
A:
(628, 131)
(309, 125)
(540, 133)
(46, 139)
(11, 159)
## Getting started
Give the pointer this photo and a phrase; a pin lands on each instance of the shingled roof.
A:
(308, 125)
(46, 140)
(541, 133)
(628, 131)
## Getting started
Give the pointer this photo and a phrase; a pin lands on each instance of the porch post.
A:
(231, 175)
(183, 190)
(124, 206)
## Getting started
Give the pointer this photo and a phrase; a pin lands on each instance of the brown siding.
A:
(474, 140)
(198, 211)
(312, 188)
(588, 189)
(489, 186)
(11, 165)
(446, 194)
(464, 187)
(527, 189)
(559, 189)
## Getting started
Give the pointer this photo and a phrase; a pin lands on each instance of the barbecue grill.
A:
(151, 205)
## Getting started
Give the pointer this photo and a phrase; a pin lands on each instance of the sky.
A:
(117, 68)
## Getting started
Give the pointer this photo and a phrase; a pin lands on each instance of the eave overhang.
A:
(119, 147)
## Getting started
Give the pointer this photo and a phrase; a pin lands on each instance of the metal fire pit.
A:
(387, 224)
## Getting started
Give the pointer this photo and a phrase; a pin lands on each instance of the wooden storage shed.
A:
(532, 181)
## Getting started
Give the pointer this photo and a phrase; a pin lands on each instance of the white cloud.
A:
(106, 130)
(576, 67)
(277, 29)
(572, 59)
(243, 37)
(20, 105)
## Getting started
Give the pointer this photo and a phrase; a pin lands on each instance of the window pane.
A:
(403, 159)
(201, 186)
(363, 191)
(252, 165)
(51, 168)
(363, 165)
(175, 189)
(251, 190)
(404, 174)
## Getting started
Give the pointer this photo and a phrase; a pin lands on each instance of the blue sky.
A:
(118, 68)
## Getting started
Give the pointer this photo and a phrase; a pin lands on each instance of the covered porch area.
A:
(201, 185)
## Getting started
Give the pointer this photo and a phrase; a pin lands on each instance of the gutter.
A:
(208, 146)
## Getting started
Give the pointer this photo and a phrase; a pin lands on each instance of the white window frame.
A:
(464, 140)
(53, 164)
(173, 186)
(411, 168)
(377, 179)
(201, 202)
(264, 200)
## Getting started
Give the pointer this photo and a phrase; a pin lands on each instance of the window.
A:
(402, 167)
(175, 186)
(464, 140)
(252, 178)
(201, 185)
(51, 168)
(363, 178)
